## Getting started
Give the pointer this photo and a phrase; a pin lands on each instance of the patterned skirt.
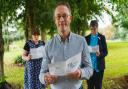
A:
(31, 74)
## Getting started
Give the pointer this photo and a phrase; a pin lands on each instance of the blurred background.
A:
(18, 17)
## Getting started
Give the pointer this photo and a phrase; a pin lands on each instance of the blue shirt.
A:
(56, 51)
(94, 42)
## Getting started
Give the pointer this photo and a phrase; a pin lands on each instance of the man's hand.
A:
(50, 79)
(74, 75)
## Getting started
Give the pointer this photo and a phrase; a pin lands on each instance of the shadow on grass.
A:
(16, 86)
(116, 83)
(5, 85)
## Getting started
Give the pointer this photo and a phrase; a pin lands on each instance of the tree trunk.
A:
(31, 19)
(43, 35)
(29, 22)
(78, 30)
(26, 26)
(85, 25)
(1, 51)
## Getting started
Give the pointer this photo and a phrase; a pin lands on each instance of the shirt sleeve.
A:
(86, 70)
(44, 66)
(26, 47)
(42, 42)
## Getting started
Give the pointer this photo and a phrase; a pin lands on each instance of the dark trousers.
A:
(95, 82)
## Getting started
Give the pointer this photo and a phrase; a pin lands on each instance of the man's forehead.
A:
(62, 9)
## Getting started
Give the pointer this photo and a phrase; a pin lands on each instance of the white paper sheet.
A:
(73, 63)
(57, 68)
(62, 68)
(93, 49)
(37, 52)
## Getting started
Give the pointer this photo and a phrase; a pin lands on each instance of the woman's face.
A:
(35, 38)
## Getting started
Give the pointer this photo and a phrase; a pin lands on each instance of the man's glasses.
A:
(64, 16)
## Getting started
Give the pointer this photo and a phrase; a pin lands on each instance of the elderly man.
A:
(62, 47)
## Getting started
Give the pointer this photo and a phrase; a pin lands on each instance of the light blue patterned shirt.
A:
(56, 51)
(94, 42)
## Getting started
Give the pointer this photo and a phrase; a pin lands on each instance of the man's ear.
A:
(71, 17)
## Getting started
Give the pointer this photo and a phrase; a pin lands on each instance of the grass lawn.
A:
(116, 62)
(14, 74)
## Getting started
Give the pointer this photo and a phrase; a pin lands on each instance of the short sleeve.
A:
(42, 42)
(26, 47)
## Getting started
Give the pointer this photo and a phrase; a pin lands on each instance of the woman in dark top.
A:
(33, 50)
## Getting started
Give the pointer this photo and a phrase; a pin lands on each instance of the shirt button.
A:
(66, 57)
(64, 47)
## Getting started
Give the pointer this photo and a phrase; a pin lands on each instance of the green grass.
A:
(14, 74)
(117, 59)
(116, 62)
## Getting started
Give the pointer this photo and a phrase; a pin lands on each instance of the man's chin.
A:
(62, 29)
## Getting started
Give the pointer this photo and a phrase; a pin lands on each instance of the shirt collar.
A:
(67, 40)
(94, 35)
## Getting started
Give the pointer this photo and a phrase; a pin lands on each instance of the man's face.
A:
(62, 18)
(94, 29)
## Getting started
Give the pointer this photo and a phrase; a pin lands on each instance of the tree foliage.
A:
(40, 13)
(7, 13)
(121, 18)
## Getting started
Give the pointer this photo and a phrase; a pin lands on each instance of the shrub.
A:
(19, 60)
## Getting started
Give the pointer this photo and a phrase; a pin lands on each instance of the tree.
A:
(7, 12)
(120, 21)
(1, 51)
(39, 13)
(82, 11)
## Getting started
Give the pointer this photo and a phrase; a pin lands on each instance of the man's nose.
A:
(61, 18)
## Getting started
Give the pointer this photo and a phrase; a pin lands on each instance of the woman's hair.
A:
(35, 31)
